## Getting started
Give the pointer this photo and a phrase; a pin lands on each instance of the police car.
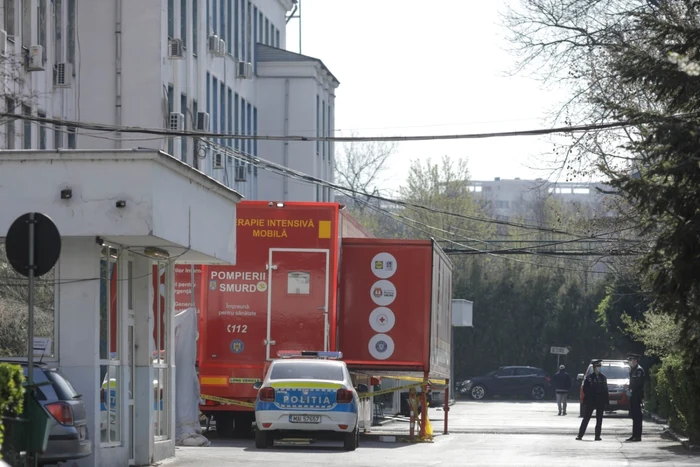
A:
(307, 394)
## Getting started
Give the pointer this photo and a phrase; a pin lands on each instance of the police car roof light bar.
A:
(309, 353)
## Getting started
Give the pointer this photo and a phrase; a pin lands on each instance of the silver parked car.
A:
(68, 438)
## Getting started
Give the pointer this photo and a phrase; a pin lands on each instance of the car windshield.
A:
(306, 370)
(615, 372)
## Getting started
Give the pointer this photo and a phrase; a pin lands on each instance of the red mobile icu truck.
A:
(280, 295)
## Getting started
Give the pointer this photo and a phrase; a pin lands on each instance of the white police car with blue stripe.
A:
(307, 394)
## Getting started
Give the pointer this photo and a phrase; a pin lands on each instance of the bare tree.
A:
(361, 164)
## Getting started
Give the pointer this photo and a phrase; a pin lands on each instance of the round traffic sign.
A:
(47, 244)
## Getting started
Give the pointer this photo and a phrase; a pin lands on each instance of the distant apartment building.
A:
(524, 198)
(209, 65)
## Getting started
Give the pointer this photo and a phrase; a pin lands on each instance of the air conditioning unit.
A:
(35, 59)
(3, 42)
(217, 161)
(244, 70)
(176, 121)
(202, 121)
(63, 75)
(214, 44)
(222, 48)
(176, 51)
(240, 173)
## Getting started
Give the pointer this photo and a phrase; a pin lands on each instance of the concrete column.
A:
(143, 338)
(79, 328)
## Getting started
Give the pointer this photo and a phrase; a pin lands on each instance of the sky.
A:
(417, 67)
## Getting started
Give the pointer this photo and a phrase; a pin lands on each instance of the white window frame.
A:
(109, 362)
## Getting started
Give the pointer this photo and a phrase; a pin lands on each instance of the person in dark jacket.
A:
(636, 395)
(562, 384)
(595, 397)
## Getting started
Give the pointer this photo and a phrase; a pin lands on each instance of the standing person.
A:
(636, 395)
(562, 384)
(595, 397)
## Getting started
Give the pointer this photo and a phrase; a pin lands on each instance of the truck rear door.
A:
(298, 300)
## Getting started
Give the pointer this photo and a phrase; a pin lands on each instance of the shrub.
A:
(11, 392)
(676, 392)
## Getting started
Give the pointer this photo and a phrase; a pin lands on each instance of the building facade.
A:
(208, 65)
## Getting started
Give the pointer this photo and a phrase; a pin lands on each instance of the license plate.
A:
(613, 402)
(305, 419)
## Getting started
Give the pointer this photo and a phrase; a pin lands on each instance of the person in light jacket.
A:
(562, 384)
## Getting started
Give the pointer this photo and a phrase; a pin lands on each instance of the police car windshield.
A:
(306, 370)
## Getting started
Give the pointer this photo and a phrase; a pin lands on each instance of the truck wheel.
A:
(263, 439)
(224, 425)
(243, 424)
(351, 440)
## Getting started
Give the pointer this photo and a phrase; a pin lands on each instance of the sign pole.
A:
(30, 324)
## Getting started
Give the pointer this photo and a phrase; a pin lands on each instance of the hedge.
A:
(676, 394)
(11, 393)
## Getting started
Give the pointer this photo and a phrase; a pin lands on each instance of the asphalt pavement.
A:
(489, 433)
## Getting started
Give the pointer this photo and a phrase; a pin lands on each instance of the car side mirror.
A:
(579, 377)
(257, 385)
(362, 388)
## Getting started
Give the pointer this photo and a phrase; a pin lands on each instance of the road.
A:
(482, 433)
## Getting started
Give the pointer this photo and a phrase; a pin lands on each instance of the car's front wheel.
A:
(351, 440)
(538, 393)
(478, 392)
(263, 439)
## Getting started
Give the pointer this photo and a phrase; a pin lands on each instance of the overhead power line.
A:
(347, 139)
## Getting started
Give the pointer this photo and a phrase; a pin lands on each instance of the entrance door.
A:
(298, 285)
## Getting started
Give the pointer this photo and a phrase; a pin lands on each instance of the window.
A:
(267, 32)
(57, 137)
(171, 97)
(255, 142)
(307, 370)
(171, 19)
(208, 18)
(241, 30)
(222, 103)
(183, 21)
(110, 350)
(208, 94)
(183, 140)
(223, 26)
(323, 144)
(255, 36)
(195, 157)
(58, 30)
(318, 124)
(214, 16)
(525, 372)
(230, 116)
(298, 283)
(503, 372)
(242, 125)
(277, 38)
(195, 26)
(260, 29)
(10, 126)
(41, 25)
(235, 119)
(42, 132)
(215, 104)
(72, 138)
(27, 124)
(233, 44)
(248, 41)
(249, 127)
(9, 24)
(71, 32)
(26, 25)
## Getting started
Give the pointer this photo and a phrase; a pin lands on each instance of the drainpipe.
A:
(285, 180)
(118, 70)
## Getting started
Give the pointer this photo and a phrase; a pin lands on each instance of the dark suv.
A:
(68, 438)
(509, 381)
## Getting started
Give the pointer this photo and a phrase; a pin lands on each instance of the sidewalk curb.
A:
(668, 432)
